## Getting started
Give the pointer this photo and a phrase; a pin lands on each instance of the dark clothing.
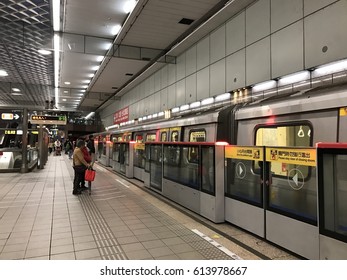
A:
(79, 165)
(79, 182)
(90, 146)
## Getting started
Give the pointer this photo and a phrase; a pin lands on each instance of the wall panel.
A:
(258, 62)
(235, 70)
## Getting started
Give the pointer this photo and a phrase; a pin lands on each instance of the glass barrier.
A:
(191, 165)
(242, 183)
(156, 170)
(294, 192)
(139, 155)
(332, 178)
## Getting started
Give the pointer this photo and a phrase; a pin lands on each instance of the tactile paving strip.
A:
(110, 249)
(108, 246)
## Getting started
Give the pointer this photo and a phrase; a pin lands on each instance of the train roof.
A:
(319, 98)
(198, 117)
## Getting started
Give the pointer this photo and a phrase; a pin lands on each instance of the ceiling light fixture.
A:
(129, 6)
(56, 59)
(67, 83)
(44, 52)
(89, 115)
(3, 73)
(99, 58)
(16, 89)
(56, 15)
(116, 29)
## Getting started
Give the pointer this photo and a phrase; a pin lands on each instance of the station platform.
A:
(121, 219)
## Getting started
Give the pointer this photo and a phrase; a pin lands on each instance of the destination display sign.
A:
(37, 119)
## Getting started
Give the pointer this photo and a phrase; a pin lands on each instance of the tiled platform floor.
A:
(41, 219)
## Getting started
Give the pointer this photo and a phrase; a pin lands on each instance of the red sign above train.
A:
(121, 116)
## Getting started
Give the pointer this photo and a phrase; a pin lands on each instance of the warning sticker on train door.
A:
(291, 155)
(343, 112)
(244, 152)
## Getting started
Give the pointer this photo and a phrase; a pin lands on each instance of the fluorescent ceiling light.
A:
(264, 86)
(56, 60)
(332, 67)
(144, 118)
(184, 107)
(16, 94)
(3, 73)
(67, 83)
(64, 99)
(95, 67)
(160, 114)
(223, 97)
(99, 58)
(149, 117)
(293, 78)
(175, 110)
(44, 52)
(207, 101)
(91, 75)
(129, 6)
(89, 115)
(140, 119)
(56, 15)
(116, 29)
(86, 81)
(155, 115)
(16, 89)
(66, 91)
(195, 104)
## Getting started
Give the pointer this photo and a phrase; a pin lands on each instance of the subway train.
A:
(252, 164)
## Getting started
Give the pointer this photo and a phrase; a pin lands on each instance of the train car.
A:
(180, 158)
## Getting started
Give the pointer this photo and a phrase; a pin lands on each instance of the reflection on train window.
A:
(178, 169)
(285, 136)
(151, 137)
(197, 136)
(163, 136)
(174, 136)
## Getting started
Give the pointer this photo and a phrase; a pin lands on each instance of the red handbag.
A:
(90, 175)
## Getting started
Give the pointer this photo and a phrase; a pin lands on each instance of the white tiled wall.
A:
(269, 39)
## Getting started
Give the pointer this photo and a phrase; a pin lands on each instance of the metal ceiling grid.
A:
(25, 27)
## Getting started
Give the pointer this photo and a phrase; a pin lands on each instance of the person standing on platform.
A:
(91, 147)
(79, 165)
(69, 148)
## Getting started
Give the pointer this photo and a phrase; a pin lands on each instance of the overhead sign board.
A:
(9, 116)
(59, 120)
(121, 116)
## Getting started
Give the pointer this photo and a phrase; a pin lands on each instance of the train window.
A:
(197, 136)
(163, 136)
(151, 137)
(284, 136)
(174, 136)
(138, 138)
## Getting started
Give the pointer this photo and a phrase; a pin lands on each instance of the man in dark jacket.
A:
(91, 148)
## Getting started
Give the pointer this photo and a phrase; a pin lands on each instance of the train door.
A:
(285, 210)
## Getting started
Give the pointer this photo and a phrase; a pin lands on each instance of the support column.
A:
(24, 167)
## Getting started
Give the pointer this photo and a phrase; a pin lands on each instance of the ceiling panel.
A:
(26, 27)
(114, 75)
